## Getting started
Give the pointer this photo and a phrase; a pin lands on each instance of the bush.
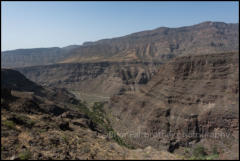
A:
(25, 155)
(23, 120)
(212, 156)
(99, 118)
(199, 151)
(200, 154)
(215, 151)
(9, 124)
(65, 138)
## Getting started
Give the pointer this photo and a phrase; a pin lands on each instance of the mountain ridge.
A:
(181, 84)
(160, 44)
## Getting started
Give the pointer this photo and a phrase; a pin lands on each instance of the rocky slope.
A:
(192, 100)
(170, 89)
(51, 124)
(161, 44)
(157, 45)
(93, 81)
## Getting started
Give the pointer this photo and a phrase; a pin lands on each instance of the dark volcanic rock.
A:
(52, 109)
(64, 126)
(6, 93)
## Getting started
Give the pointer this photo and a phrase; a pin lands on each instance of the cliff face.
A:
(190, 100)
(93, 80)
(167, 88)
(159, 45)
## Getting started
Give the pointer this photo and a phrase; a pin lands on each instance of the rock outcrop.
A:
(167, 89)
(161, 44)
(45, 127)
(191, 99)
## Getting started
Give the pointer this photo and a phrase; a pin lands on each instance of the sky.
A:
(59, 24)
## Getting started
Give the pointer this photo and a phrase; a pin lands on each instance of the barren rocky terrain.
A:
(189, 95)
(99, 80)
(168, 93)
(53, 125)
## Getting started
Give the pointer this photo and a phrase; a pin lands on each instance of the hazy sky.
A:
(49, 24)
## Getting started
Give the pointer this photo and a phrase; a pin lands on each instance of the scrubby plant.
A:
(25, 155)
(215, 151)
(186, 151)
(99, 117)
(21, 119)
(65, 138)
(199, 151)
(9, 124)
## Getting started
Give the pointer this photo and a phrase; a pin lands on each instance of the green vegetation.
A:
(2, 148)
(9, 124)
(118, 139)
(21, 119)
(98, 115)
(215, 151)
(100, 120)
(212, 156)
(199, 153)
(41, 130)
(25, 155)
(186, 151)
(65, 138)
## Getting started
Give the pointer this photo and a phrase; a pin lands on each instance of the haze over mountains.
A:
(178, 81)
(37, 56)
(158, 45)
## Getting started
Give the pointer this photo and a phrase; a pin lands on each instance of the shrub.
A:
(199, 151)
(65, 138)
(25, 155)
(9, 124)
(212, 156)
(200, 154)
(22, 120)
(99, 118)
(215, 151)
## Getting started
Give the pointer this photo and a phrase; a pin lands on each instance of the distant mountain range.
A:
(35, 56)
(166, 90)
(156, 45)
